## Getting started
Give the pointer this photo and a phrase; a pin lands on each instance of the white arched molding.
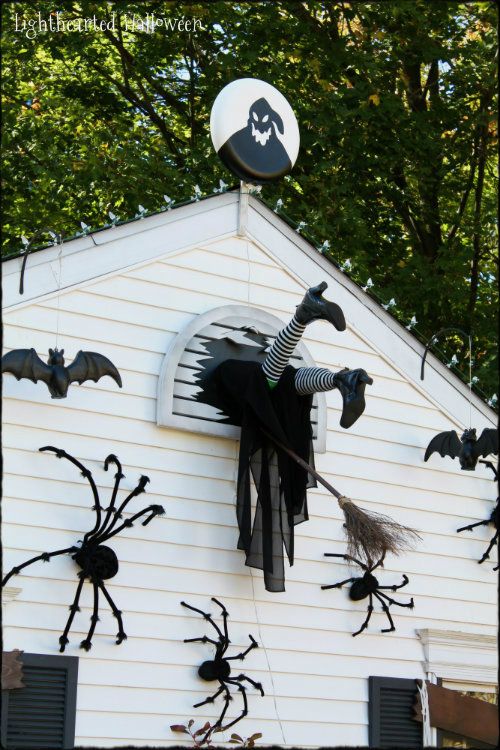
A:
(176, 403)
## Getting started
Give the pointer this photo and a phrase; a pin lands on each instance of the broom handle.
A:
(304, 465)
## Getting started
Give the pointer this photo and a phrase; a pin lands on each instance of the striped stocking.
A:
(314, 379)
(281, 351)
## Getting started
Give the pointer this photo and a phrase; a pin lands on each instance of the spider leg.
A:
(121, 635)
(211, 698)
(393, 601)
(204, 639)
(406, 580)
(339, 584)
(490, 466)
(349, 558)
(207, 617)
(368, 616)
(386, 610)
(138, 490)
(118, 477)
(242, 655)
(45, 556)
(490, 547)
(153, 510)
(88, 475)
(225, 615)
(473, 526)
(74, 608)
(244, 711)
(218, 723)
(256, 685)
(94, 618)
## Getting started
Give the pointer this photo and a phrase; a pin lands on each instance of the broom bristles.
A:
(371, 535)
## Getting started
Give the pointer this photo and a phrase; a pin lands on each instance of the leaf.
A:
(202, 730)
(256, 736)
(374, 99)
(179, 728)
(190, 723)
(235, 736)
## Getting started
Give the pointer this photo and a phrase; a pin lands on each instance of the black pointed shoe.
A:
(314, 307)
(351, 384)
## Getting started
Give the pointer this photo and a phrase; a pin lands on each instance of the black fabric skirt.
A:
(280, 500)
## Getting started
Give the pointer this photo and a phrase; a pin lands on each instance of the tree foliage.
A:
(395, 102)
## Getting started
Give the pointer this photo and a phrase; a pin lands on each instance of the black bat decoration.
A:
(25, 363)
(468, 449)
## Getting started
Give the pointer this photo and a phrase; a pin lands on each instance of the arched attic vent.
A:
(177, 403)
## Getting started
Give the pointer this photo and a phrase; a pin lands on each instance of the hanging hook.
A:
(57, 236)
(431, 341)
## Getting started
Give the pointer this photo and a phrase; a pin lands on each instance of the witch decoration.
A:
(271, 401)
(96, 561)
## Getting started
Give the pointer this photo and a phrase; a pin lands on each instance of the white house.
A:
(128, 292)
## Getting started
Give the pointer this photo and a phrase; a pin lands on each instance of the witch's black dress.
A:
(244, 395)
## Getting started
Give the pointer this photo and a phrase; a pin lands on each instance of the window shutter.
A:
(391, 722)
(41, 714)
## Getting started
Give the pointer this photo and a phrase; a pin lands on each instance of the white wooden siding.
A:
(314, 672)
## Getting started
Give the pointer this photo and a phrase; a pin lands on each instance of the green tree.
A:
(396, 103)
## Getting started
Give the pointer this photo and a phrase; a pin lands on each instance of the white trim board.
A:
(202, 223)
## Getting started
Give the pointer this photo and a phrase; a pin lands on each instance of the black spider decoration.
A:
(368, 585)
(494, 520)
(219, 668)
(98, 563)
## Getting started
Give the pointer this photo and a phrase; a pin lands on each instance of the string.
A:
(59, 289)
(470, 381)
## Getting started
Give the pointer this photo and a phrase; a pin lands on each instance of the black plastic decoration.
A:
(492, 520)
(218, 669)
(96, 561)
(25, 363)
(433, 339)
(368, 586)
(27, 250)
(245, 345)
(468, 449)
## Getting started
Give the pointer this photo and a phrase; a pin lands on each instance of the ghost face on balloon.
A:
(256, 151)
(261, 119)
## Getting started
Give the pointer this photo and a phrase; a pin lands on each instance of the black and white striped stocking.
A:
(281, 351)
(313, 380)
(307, 379)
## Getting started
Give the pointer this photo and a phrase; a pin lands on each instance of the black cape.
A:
(280, 483)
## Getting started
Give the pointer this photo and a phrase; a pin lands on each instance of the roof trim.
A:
(148, 227)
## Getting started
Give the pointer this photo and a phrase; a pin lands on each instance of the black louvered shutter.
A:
(42, 714)
(390, 714)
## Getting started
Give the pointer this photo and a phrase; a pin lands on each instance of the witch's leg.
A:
(351, 384)
(312, 307)
(282, 350)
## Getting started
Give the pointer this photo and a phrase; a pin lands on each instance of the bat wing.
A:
(92, 366)
(25, 363)
(486, 443)
(446, 444)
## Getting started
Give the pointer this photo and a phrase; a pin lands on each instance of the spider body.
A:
(219, 669)
(363, 587)
(367, 586)
(96, 561)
